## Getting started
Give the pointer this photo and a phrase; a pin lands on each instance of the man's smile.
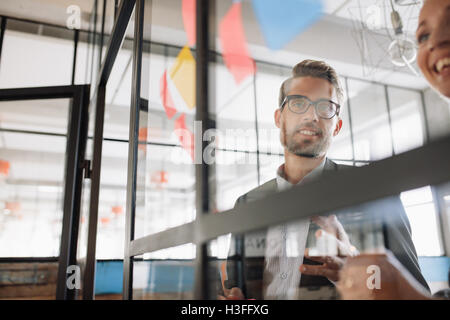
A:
(308, 133)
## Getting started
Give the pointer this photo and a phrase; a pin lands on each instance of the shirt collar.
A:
(283, 184)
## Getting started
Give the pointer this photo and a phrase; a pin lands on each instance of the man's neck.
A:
(297, 167)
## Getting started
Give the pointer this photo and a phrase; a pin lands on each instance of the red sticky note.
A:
(166, 98)
(185, 136)
(234, 45)
(188, 12)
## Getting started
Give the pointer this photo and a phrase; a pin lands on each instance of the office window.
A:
(341, 148)
(35, 55)
(421, 211)
(32, 156)
(408, 130)
(370, 121)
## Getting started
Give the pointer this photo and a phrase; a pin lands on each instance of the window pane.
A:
(425, 232)
(236, 174)
(268, 82)
(371, 132)
(165, 186)
(35, 55)
(157, 276)
(31, 179)
(421, 210)
(406, 118)
(269, 165)
(341, 147)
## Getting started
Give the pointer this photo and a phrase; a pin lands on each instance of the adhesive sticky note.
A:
(182, 74)
(234, 45)
(166, 98)
(281, 21)
(188, 12)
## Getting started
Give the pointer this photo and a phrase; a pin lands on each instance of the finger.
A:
(219, 297)
(331, 262)
(344, 249)
(331, 274)
(332, 225)
(236, 294)
(326, 223)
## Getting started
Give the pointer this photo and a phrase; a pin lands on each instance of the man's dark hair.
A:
(315, 69)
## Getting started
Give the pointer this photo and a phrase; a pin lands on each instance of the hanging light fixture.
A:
(402, 50)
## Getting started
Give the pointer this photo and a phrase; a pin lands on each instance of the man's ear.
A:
(277, 117)
(338, 127)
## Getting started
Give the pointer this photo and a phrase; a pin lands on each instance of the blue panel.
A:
(435, 269)
(281, 21)
(168, 277)
(171, 278)
(108, 277)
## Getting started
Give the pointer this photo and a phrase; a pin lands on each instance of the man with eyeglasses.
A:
(308, 118)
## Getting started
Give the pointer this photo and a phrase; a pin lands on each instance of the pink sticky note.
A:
(185, 136)
(166, 98)
(232, 38)
(188, 12)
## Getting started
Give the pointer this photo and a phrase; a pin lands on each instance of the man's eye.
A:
(423, 37)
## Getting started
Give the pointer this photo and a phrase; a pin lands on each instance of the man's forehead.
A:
(317, 87)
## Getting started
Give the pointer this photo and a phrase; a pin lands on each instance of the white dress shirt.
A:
(285, 246)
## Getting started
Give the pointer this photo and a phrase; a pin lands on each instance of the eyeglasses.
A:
(299, 104)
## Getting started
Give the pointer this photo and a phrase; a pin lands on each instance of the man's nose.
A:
(311, 113)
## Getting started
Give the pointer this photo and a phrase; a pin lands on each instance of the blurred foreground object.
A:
(378, 277)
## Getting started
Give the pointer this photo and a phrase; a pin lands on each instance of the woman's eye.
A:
(423, 37)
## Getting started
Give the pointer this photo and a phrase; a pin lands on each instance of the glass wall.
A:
(32, 156)
(379, 121)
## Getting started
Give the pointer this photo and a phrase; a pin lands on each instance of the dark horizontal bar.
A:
(54, 92)
(427, 165)
(54, 134)
(28, 259)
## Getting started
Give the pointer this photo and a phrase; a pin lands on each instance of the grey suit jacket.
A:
(396, 232)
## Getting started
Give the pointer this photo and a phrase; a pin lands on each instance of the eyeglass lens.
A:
(324, 109)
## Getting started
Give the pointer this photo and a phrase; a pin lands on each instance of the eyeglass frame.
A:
(315, 103)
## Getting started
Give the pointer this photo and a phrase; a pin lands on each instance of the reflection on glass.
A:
(165, 275)
(341, 148)
(35, 55)
(31, 177)
(266, 264)
(236, 173)
(421, 211)
(370, 121)
(407, 120)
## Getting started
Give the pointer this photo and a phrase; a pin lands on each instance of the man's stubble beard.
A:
(305, 148)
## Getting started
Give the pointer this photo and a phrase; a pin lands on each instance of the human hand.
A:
(330, 267)
(331, 264)
(234, 293)
(394, 282)
(332, 228)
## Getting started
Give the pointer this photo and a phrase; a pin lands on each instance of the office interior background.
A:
(389, 109)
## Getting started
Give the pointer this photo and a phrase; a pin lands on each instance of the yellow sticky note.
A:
(182, 74)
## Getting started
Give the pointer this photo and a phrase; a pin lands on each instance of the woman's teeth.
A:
(442, 63)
